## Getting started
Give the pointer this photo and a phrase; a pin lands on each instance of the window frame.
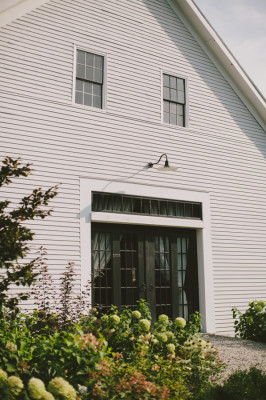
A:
(186, 105)
(145, 247)
(104, 84)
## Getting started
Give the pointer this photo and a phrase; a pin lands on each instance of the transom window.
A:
(174, 100)
(144, 205)
(89, 79)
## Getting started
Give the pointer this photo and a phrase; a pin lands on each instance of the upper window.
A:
(89, 79)
(174, 100)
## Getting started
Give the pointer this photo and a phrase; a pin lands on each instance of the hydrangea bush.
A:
(108, 356)
(252, 323)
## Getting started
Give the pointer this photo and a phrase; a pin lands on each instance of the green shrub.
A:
(163, 355)
(44, 356)
(169, 353)
(241, 385)
(15, 236)
(251, 324)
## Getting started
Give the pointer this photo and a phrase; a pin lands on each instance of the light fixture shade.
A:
(165, 169)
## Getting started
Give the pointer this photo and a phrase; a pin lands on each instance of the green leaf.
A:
(10, 367)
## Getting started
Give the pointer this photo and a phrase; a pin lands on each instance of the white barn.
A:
(91, 92)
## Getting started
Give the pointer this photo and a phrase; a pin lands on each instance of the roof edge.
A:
(221, 56)
(16, 9)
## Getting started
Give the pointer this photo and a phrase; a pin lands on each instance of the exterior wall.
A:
(222, 151)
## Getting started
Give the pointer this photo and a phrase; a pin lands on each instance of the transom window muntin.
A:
(89, 79)
(126, 204)
(174, 100)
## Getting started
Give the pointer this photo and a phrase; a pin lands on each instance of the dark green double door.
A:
(138, 262)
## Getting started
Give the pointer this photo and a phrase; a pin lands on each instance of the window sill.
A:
(89, 108)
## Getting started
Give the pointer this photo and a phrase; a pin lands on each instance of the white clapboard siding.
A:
(222, 150)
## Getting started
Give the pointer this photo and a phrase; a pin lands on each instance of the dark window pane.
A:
(127, 204)
(166, 80)
(171, 208)
(172, 108)
(87, 99)
(180, 84)
(81, 71)
(181, 97)
(81, 57)
(180, 109)
(79, 98)
(98, 75)
(180, 209)
(166, 93)
(173, 82)
(155, 207)
(166, 106)
(163, 208)
(173, 119)
(146, 206)
(137, 205)
(97, 90)
(89, 59)
(89, 73)
(166, 117)
(97, 101)
(173, 95)
(79, 85)
(188, 210)
(98, 61)
(88, 87)
(117, 203)
(197, 210)
(180, 120)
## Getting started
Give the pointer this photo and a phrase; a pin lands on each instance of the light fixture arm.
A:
(166, 164)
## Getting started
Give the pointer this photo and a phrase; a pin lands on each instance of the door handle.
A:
(143, 287)
(151, 287)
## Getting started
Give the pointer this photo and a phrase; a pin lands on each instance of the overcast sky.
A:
(242, 26)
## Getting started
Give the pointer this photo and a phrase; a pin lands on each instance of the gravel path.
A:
(238, 353)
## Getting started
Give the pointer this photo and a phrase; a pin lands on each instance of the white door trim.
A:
(203, 227)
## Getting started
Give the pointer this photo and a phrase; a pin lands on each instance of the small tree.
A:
(15, 236)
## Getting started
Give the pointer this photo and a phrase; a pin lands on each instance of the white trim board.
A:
(203, 228)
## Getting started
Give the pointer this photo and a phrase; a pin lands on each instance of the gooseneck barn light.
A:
(166, 166)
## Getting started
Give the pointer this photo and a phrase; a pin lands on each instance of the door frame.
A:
(146, 266)
(203, 230)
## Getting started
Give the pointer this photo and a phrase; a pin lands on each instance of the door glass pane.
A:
(102, 269)
(129, 269)
(162, 275)
(187, 276)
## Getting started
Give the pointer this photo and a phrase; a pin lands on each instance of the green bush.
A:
(169, 358)
(169, 353)
(66, 354)
(241, 385)
(15, 236)
(251, 324)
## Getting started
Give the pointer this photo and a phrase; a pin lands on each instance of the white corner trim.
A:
(203, 227)
(17, 8)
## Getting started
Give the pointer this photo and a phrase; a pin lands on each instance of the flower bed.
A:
(119, 355)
